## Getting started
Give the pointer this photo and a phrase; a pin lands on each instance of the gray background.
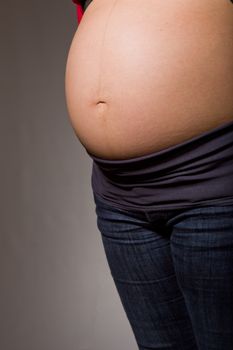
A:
(56, 291)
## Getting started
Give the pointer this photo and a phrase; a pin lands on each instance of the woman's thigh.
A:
(202, 251)
(142, 269)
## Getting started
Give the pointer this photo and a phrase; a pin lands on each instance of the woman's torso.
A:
(162, 70)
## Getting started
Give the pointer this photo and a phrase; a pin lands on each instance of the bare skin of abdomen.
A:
(138, 81)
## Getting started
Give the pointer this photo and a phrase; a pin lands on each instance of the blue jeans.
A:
(173, 271)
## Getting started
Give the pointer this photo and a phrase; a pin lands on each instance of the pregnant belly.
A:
(139, 81)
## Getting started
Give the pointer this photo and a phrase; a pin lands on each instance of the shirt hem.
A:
(214, 202)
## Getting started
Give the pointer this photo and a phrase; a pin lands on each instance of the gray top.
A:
(193, 173)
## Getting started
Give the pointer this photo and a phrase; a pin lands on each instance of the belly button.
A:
(101, 107)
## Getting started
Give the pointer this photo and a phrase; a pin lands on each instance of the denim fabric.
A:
(173, 271)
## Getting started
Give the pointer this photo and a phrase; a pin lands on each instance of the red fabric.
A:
(79, 10)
